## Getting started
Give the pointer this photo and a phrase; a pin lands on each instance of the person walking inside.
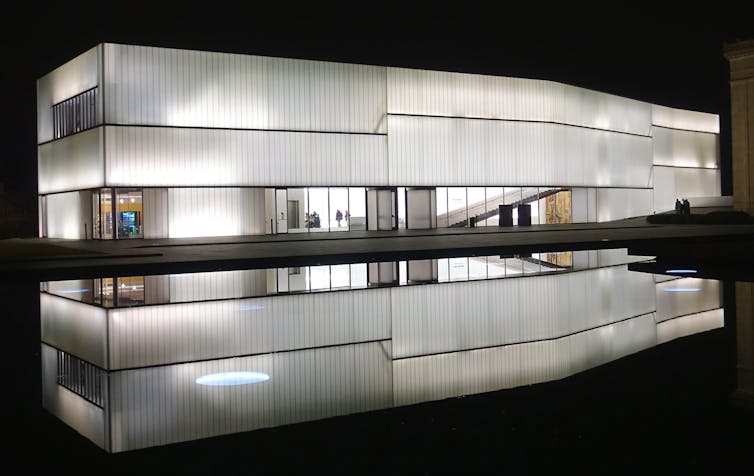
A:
(338, 217)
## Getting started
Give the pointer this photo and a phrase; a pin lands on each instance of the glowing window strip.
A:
(683, 290)
(70, 291)
(224, 379)
(689, 271)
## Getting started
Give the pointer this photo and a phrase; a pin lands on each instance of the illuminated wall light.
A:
(683, 290)
(133, 200)
(224, 379)
(687, 271)
(121, 200)
(251, 307)
(71, 291)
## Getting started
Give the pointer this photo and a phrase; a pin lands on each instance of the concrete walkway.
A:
(59, 259)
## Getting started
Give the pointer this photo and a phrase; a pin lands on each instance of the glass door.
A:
(129, 213)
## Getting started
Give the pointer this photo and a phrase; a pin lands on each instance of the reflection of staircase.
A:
(527, 264)
(485, 209)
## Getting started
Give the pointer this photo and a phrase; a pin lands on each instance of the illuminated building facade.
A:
(145, 142)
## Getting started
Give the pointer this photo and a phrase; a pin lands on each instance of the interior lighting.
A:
(133, 200)
(224, 379)
(683, 290)
(71, 291)
(683, 271)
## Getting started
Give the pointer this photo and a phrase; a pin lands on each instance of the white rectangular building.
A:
(145, 142)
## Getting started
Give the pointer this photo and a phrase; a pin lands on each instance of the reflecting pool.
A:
(133, 362)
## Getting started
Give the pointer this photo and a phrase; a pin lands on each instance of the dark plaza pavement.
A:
(59, 258)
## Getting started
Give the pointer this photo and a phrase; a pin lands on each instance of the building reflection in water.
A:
(139, 361)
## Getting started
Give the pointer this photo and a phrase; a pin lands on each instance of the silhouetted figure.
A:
(678, 207)
(686, 207)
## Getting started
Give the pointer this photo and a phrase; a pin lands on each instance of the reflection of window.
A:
(80, 377)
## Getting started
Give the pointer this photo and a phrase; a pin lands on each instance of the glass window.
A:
(457, 206)
(442, 270)
(477, 205)
(319, 277)
(477, 267)
(513, 197)
(319, 207)
(340, 276)
(442, 207)
(130, 290)
(495, 267)
(458, 269)
(494, 197)
(401, 208)
(359, 275)
(106, 213)
(338, 208)
(356, 215)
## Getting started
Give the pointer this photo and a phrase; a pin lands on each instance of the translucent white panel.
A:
(467, 315)
(478, 152)
(671, 183)
(149, 156)
(187, 287)
(687, 296)
(435, 377)
(323, 96)
(684, 119)
(162, 405)
(679, 148)
(152, 335)
(155, 212)
(69, 215)
(697, 182)
(77, 328)
(664, 194)
(619, 203)
(439, 93)
(160, 86)
(84, 417)
(74, 77)
(71, 163)
(215, 211)
(691, 324)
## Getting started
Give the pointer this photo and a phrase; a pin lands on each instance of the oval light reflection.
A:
(223, 379)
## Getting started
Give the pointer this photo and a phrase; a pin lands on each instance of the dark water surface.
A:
(649, 406)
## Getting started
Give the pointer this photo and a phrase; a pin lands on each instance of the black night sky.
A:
(669, 55)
